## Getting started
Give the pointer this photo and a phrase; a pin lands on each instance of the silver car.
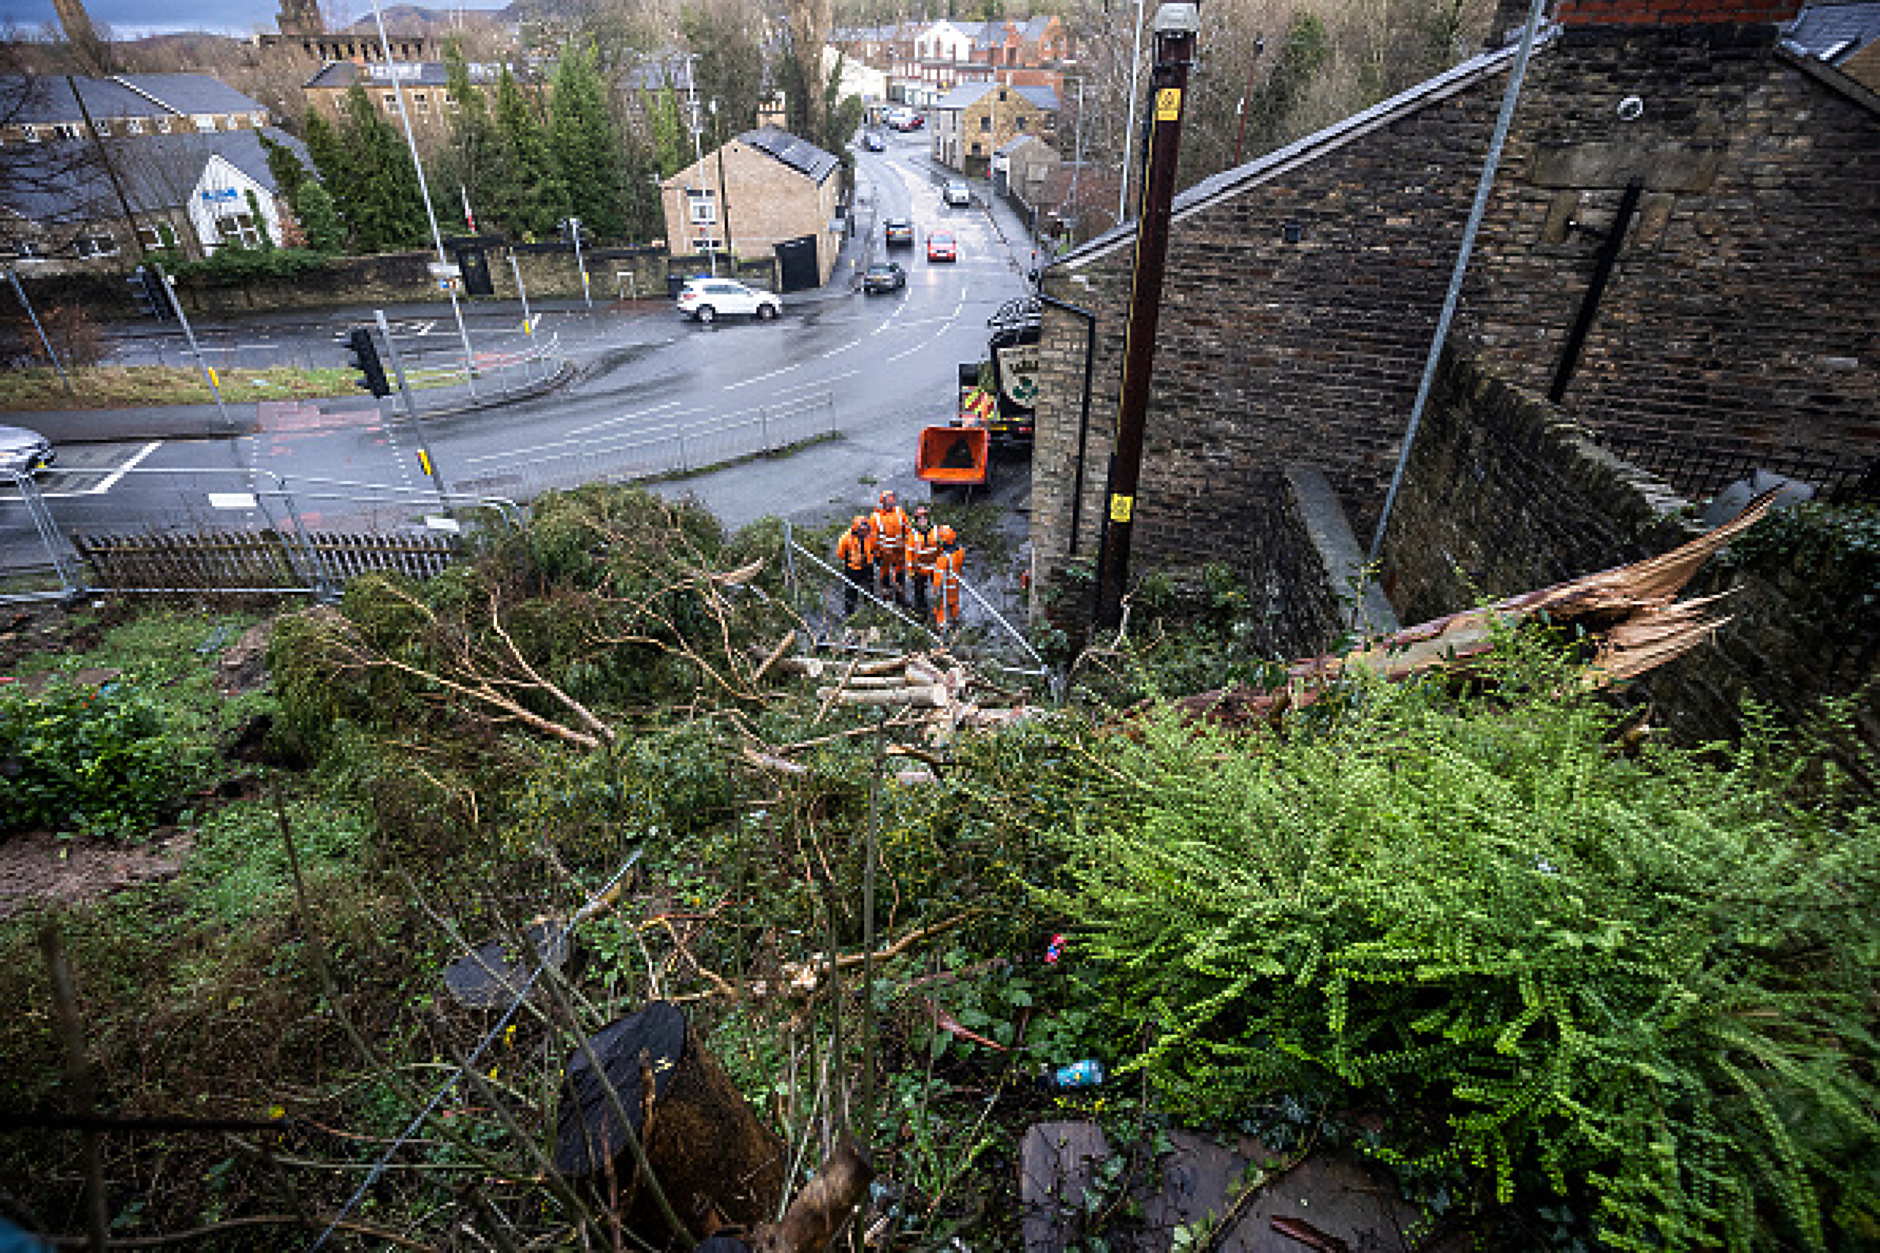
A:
(23, 451)
(958, 194)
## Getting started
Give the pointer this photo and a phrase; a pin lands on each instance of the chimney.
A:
(1675, 12)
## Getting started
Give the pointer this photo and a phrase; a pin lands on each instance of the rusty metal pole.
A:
(1177, 23)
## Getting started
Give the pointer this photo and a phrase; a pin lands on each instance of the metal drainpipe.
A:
(1083, 422)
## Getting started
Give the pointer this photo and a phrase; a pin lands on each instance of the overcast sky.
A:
(130, 18)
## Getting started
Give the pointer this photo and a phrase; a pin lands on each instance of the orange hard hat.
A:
(887, 495)
(858, 521)
(944, 534)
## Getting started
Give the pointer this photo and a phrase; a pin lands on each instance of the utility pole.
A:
(1259, 46)
(1129, 132)
(424, 191)
(698, 152)
(1177, 24)
(1077, 164)
(104, 159)
(724, 196)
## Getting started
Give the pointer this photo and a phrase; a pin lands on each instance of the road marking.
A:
(835, 352)
(732, 387)
(111, 480)
(625, 417)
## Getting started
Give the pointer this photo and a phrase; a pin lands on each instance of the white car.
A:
(708, 299)
(23, 452)
(957, 193)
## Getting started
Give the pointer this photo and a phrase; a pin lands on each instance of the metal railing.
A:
(436, 370)
(258, 535)
(650, 452)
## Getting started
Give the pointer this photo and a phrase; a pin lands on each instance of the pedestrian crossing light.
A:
(365, 359)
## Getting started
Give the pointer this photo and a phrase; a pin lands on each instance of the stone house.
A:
(972, 122)
(1025, 168)
(425, 85)
(1676, 253)
(184, 150)
(764, 193)
(1034, 43)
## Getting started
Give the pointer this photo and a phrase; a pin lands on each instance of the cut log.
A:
(919, 697)
(823, 1206)
(716, 1163)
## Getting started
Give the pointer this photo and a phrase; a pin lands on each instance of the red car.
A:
(940, 247)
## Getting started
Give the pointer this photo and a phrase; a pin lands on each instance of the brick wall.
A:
(1298, 308)
(1505, 495)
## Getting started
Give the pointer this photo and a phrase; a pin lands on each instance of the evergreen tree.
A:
(585, 143)
(318, 219)
(470, 160)
(283, 166)
(527, 195)
(260, 220)
(380, 199)
(329, 157)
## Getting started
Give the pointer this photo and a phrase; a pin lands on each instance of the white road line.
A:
(732, 387)
(836, 352)
(625, 417)
(111, 480)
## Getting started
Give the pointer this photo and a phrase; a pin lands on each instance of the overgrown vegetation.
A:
(1565, 993)
(119, 386)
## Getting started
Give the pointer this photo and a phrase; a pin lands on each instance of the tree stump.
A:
(718, 1165)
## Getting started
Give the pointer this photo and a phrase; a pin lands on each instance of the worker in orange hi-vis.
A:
(889, 524)
(946, 577)
(922, 547)
(856, 553)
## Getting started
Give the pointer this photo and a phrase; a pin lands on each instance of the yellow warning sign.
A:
(1168, 104)
(1121, 507)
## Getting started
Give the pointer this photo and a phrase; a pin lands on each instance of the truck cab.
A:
(1001, 391)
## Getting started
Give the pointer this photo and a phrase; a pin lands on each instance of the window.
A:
(26, 249)
(133, 126)
(238, 228)
(103, 129)
(702, 209)
(391, 101)
(157, 235)
(985, 123)
(163, 126)
(258, 120)
(975, 148)
(205, 122)
(1019, 122)
(103, 244)
(420, 104)
(30, 133)
(68, 130)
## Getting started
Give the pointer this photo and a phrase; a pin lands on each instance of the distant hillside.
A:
(417, 17)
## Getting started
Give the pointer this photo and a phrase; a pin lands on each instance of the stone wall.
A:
(1302, 289)
(1504, 495)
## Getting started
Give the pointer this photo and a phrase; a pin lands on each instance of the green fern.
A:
(1652, 977)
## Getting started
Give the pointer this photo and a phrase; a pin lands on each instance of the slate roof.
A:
(1034, 29)
(191, 93)
(964, 96)
(1834, 32)
(1043, 97)
(799, 154)
(47, 98)
(157, 172)
(1015, 143)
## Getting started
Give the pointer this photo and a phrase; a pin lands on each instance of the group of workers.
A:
(899, 557)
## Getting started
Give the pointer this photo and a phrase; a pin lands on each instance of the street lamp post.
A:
(424, 192)
(1129, 132)
(698, 152)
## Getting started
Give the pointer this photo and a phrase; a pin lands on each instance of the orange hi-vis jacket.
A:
(890, 532)
(854, 551)
(921, 550)
(946, 582)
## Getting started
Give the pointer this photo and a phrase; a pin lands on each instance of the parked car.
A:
(957, 193)
(885, 276)
(940, 247)
(899, 233)
(708, 299)
(874, 142)
(23, 451)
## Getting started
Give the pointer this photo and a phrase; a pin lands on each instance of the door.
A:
(475, 265)
(796, 264)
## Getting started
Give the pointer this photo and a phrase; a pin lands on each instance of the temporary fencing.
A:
(258, 533)
(652, 451)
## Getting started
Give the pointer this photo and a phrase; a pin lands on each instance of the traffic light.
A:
(364, 352)
(147, 291)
